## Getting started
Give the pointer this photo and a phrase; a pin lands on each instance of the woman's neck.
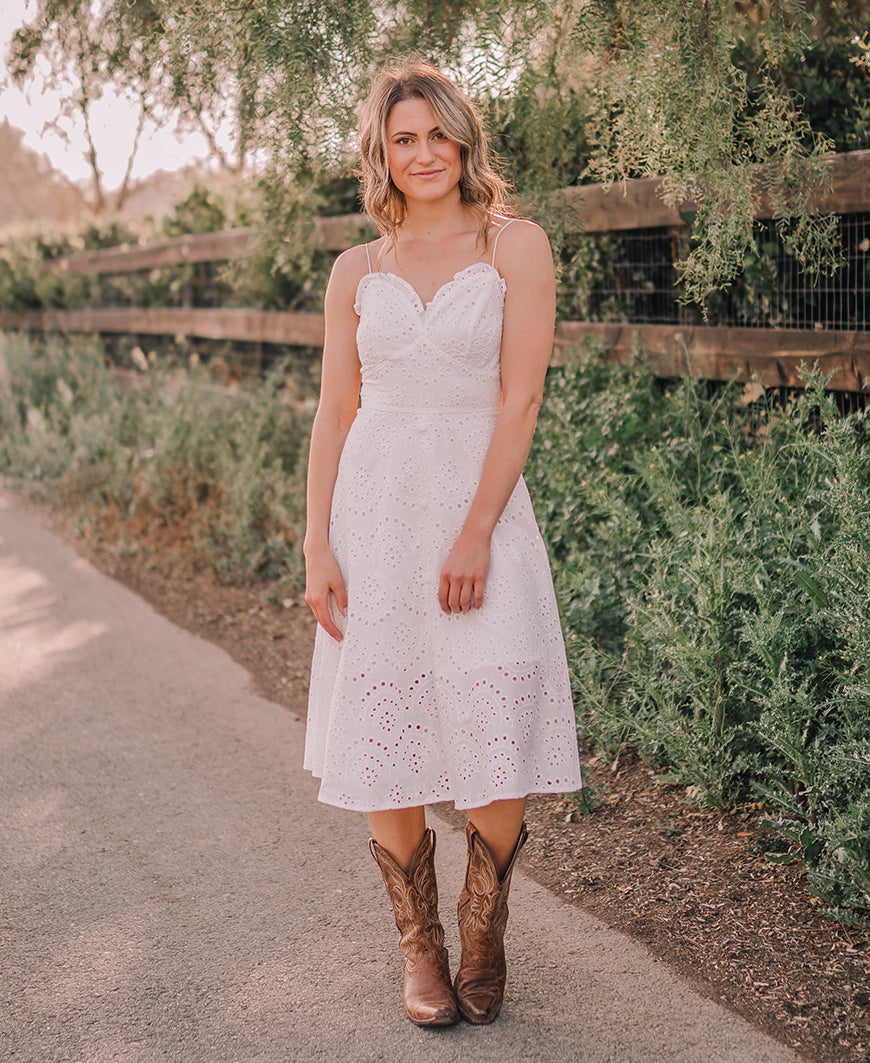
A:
(432, 222)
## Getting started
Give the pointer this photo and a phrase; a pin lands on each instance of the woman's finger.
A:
(341, 599)
(444, 593)
(325, 619)
(455, 596)
(465, 592)
(339, 595)
(451, 595)
(323, 614)
(479, 584)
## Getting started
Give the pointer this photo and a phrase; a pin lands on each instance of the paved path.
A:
(171, 890)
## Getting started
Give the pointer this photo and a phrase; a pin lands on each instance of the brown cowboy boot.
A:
(483, 913)
(429, 996)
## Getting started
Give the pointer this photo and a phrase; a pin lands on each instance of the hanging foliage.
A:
(699, 91)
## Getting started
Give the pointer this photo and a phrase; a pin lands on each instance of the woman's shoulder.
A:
(521, 232)
(349, 269)
(519, 244)
(355, 261)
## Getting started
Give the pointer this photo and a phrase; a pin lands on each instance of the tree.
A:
(84, 49)
(575, 90)
(668, 98)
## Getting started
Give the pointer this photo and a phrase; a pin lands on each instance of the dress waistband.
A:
(375, 406)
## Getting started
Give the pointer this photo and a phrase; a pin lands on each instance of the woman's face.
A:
(424, 164)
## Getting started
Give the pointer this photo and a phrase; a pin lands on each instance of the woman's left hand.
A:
(463, 576)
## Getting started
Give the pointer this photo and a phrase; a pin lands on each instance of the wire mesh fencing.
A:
(633, 276)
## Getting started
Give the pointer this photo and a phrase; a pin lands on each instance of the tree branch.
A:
(140, 125)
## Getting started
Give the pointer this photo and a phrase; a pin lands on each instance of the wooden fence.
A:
(773, 356)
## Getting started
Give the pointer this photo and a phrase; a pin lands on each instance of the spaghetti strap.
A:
(510, 221)
(368, 258)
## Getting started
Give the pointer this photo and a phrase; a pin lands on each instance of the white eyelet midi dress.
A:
(415, 705)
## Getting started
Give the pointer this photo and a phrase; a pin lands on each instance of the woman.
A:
(439, 668)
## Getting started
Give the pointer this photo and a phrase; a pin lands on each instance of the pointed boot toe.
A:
(480, 1004)
(429, 996)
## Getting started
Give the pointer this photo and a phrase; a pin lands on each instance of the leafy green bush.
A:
(27, 284)
(224, 473)
(712, 561)
(201, 211)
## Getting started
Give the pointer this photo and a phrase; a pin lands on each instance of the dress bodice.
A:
(441, 355)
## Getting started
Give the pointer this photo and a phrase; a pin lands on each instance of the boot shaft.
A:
(483, 914)
(483, 902)
(414, 896)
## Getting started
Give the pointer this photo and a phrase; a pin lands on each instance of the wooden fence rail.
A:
(335, 234)
(772, 356)
(243, 325)
(639, 204)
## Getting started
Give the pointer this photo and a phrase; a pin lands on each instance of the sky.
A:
(113, 123)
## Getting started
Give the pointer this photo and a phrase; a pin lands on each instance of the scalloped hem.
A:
(432, 797)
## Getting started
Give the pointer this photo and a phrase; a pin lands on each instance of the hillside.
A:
(33, 191)
(30, 188)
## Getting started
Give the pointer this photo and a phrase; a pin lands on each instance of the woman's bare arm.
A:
(339, 396)
(526, 263)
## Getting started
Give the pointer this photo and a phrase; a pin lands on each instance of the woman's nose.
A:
(424, 149)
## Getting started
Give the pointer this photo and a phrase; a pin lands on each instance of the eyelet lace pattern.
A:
(416, 706)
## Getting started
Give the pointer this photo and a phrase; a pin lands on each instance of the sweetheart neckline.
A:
(410, 287)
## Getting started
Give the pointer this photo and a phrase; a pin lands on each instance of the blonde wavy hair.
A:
(481, 188)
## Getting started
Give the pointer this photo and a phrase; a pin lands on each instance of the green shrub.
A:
(224, 473)
(712, 561)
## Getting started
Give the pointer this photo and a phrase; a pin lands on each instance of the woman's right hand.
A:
(322, 579)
